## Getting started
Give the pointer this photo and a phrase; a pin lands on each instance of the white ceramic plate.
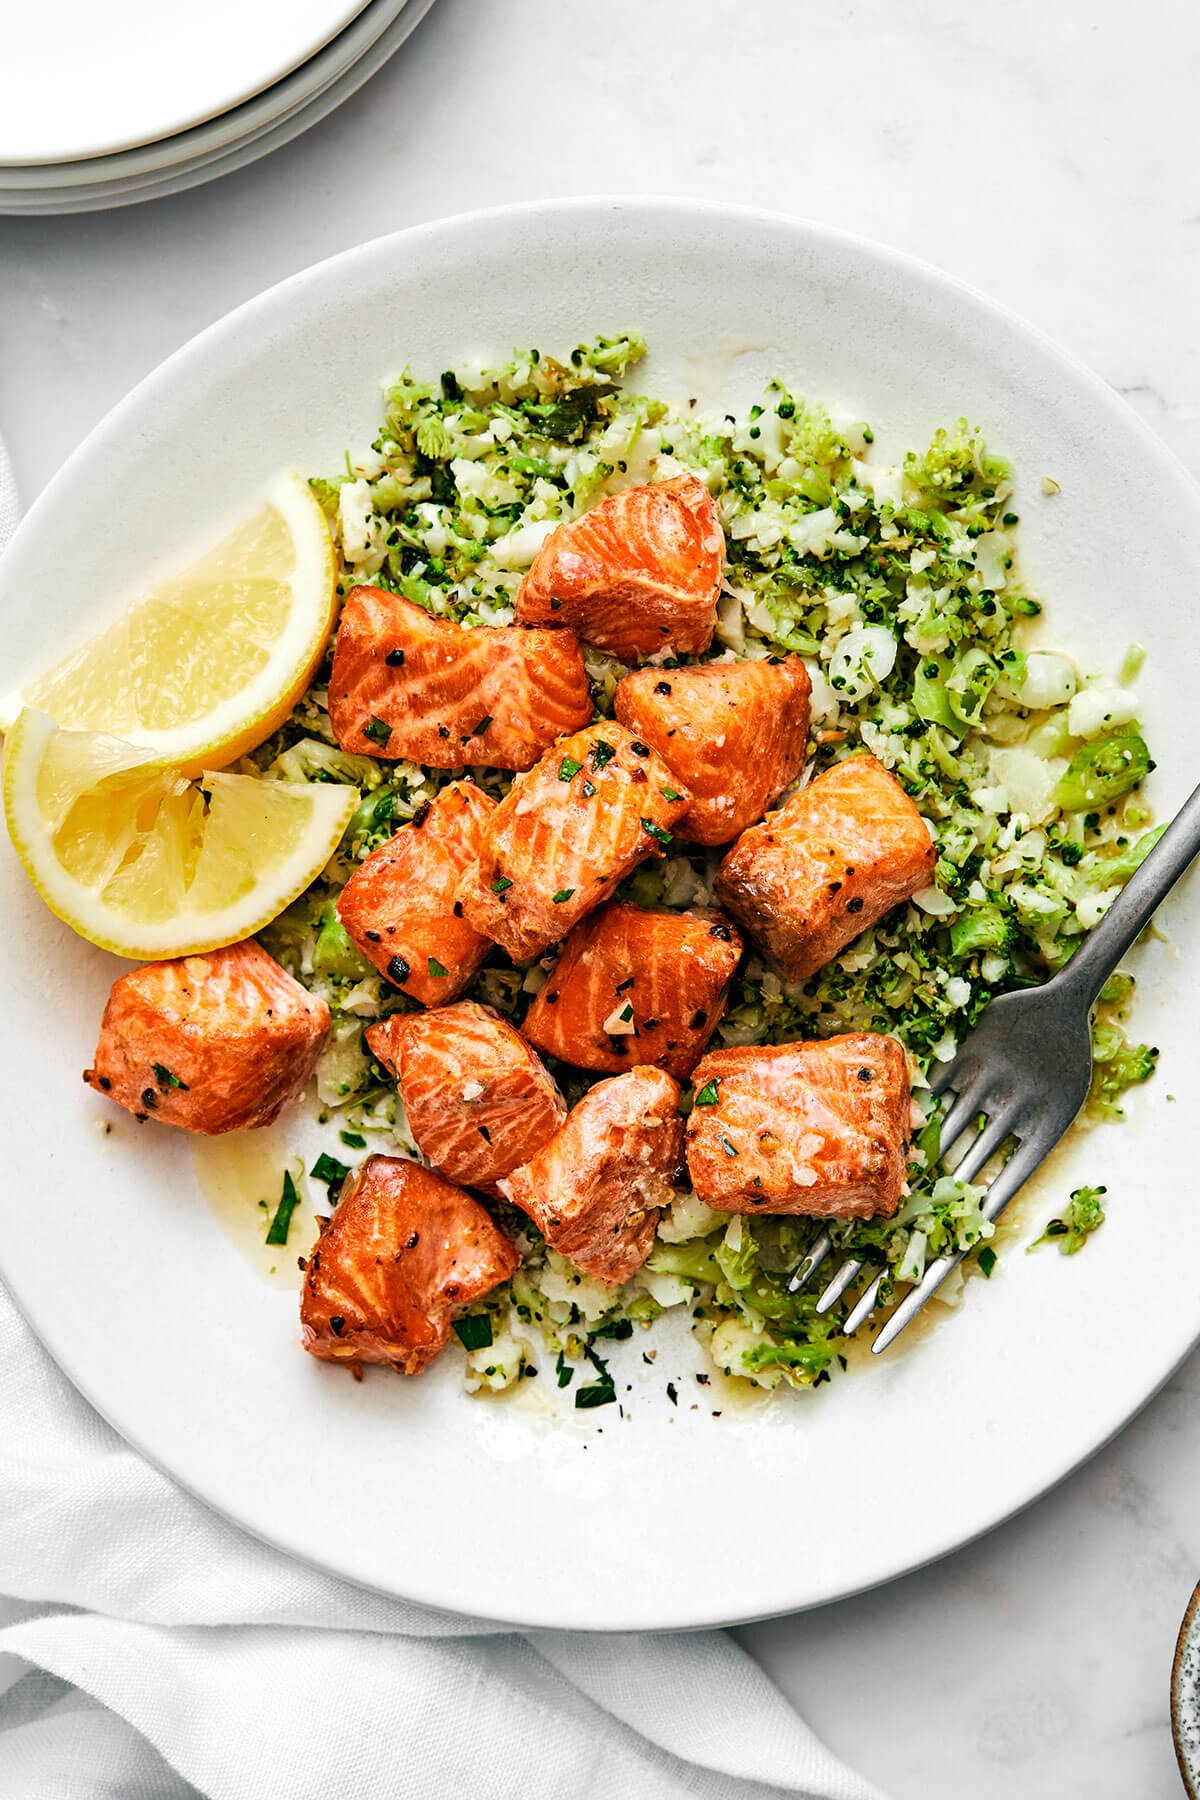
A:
(52, 182)
(380, 46)
(133, 71)
(667, 1517)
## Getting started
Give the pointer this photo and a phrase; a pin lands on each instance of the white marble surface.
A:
(1045, 153)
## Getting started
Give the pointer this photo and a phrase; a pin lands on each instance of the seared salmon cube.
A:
(216, 1042)
(400, 904)
(735, 733)
(405, 684)
(637, 574)
(636, 987)
(566, 834)
(404, 1253)
(833, 860)
(596, 1189)
(818, 1128)
(477, 1098)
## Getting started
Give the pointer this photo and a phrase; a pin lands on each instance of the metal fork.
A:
(1026, 1068)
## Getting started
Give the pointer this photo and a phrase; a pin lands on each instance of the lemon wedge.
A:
(140, 860)
(207, 663)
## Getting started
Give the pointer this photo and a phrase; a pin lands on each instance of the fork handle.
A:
(1135, 905)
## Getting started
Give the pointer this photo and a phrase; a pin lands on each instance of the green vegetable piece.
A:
(378, 730)
(657, 833)
(602, 753)
(334, 952)
(167, 1078)
(985, 929)
(971, 681)
(564, 1371)
(808, 1360)
(1123, 1065)
(987, 1260)
(566, 420)
(568, 767)
(930, 700)
(289, 1200)
(436, 968)
(474, 1331)
(330, 1170)
(1102, 771)
(1119, 868)
(501, 884)
(378, 809)
(1083, 1216)
(709, 1093)
(353, 1140)
(563, 894)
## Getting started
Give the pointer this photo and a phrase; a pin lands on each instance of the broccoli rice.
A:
(901, 588)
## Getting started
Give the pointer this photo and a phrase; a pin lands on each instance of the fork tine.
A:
(1027, 1156)
(839, 1284)
(965, 1108)
(864, 1306)
(979, 1151)
(812, 1262)
(1019, 1167)
(957, 1073)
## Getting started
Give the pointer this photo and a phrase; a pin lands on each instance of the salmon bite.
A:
(216, 1042)
(832, 861)
(406, 685)
(638, 575)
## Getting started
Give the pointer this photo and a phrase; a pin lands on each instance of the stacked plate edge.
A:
(227, 139)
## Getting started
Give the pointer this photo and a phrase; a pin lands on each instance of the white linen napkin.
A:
(150, 1651)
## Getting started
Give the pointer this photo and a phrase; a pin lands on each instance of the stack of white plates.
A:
(105, 105)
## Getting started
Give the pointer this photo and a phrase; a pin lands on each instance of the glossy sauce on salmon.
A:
(477, 1098)
(637, 575)
(596, 1189)
(405, 684)
(566, 834)
(735, 733)
(403, 1254)
(212, 1043)
(832, 861)
(400, 905)
(816, 1128)
(636, 987)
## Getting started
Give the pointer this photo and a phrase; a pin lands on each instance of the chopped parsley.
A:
(568, 767)
(709, 1093)
(289, 1200)
(474, 1331)
(167, 1078)
(436, 968)
(378, 730)
(329, 1169)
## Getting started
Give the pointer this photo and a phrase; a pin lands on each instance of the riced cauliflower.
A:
(901, 588)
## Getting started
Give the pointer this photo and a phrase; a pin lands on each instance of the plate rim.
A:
(244, 92)
(718, 213)
(54, 183)
(212, 165)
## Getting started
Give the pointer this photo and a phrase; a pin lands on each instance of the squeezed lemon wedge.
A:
(141, 860)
